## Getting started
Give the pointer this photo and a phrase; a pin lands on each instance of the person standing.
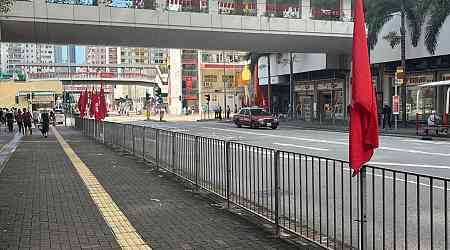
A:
(52, 117)
(10, 120)
(228, 111)
(235, 108)
(27, 117)
(45, 121)
(19, 120)
(220, 112)
(387, 114)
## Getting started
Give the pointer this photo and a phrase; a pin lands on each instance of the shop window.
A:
(326, 9)
(284, 8)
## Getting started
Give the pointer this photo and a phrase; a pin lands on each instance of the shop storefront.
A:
(321, 100)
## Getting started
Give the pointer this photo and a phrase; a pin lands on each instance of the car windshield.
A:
(259, 112)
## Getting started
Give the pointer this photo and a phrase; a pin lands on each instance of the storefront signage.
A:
(395, 105)
(329, 85)
(304, 87)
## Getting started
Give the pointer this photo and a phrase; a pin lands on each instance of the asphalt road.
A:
(398, 153)
(322, 197)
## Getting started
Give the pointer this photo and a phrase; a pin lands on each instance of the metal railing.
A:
(309, 196)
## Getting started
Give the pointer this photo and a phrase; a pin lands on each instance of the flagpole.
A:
(363, 208)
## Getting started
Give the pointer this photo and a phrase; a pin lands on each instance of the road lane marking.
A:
(280, 136)
(298, 146)
(414, 151)
(333, 142)
(426, 142)
(407, 165)
(125, 234)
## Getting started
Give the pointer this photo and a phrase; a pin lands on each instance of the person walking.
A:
(387, 114)
(10, 120)
(228, 111)
(220, 112)
(35, 118)
(27, 117)
(52, 117)
(45, 121)
(19, 120)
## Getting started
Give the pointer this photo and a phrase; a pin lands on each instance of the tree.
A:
(439, 11)
(412, 12)
(5, 6)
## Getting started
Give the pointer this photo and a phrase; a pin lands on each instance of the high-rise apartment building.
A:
(133, 55)
(26, 53)
(96, 55)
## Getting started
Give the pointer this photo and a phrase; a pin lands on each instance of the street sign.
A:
(395, 105)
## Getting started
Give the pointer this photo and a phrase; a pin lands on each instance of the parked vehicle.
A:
(255, 117)
(59, 116)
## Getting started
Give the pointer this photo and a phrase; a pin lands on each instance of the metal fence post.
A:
(132, 138)
(124, 131)
(173, 151)
(196, 162)
(143, 143)
(157, 148)
(277, 192)
(227, 162)
(363, 207)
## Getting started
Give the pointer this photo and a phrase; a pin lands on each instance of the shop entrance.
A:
(304, 107)
(330, 105)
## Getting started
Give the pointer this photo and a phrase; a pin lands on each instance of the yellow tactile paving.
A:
(125, 233)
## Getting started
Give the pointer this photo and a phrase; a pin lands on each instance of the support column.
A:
(213, 7)
(260, 7)
(346, 9)
(161, 4)
(306, 9)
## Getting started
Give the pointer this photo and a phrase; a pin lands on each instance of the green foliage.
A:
(379, 12)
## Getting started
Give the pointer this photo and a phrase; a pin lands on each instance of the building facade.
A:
(421, 68)
(26, 53)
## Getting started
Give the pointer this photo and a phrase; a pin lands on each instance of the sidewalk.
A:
(45, 204)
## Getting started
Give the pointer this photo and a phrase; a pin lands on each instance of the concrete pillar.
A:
(161, 4)
(306, 9)
(346, 9)
(175, 81)
(213, 7)
(260, 7)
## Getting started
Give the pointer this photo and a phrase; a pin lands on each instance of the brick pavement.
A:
(166, 214)
(44, 204)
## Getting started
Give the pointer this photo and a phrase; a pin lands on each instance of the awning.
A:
(435, 84)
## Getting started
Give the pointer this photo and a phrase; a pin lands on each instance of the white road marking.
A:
(414, 151)
(408, 165)
(426, 142)
(330, 142)
(280, 136)
(298, 146)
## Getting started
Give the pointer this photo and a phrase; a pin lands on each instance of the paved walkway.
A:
(67, 192)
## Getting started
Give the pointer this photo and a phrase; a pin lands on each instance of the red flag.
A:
(363, 111)
(102, 110)
(84, 103)
(92, 109)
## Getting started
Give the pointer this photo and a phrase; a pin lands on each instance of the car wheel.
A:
(252, 125)
(274, 127)
(238, 124)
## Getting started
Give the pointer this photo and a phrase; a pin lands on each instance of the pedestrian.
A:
(52, 117)
(45, 123)
(27, 117)
(10, 120)
(235, 108)
(2, 118)
(19, 121)
(228, 111)
(35, 118)
(387, 114)
(220, 112)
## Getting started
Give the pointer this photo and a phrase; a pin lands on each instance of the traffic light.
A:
(208, 98)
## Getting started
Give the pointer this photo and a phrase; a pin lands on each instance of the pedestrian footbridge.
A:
(43, 21)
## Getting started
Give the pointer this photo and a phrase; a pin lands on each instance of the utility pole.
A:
(224, 84)
(269, 85)
(403, 54)
(291, 86)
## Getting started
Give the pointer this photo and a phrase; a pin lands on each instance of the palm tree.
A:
(439, 11)
(254, 57)
(412, 12)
